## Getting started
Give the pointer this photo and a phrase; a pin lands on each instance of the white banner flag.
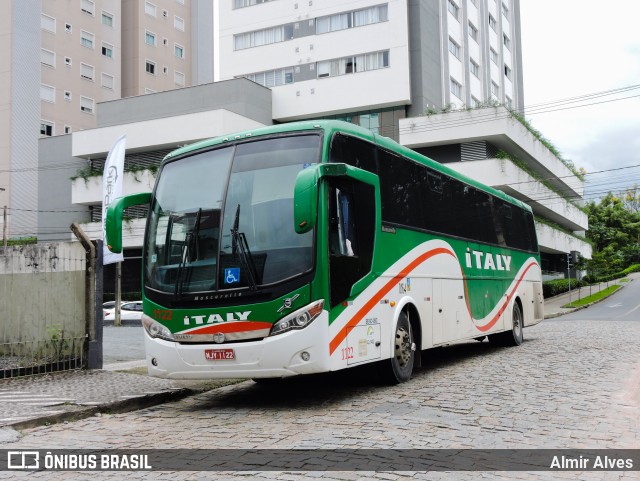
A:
(112, 189)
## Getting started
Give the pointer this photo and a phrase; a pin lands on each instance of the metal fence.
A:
(42, 308)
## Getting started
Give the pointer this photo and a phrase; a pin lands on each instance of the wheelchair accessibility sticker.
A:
(232, 275)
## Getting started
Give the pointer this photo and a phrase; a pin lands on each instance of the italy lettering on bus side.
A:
(487, 261)
(216, 318)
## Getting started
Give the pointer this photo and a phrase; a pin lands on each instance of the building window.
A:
(453, 9)
(355, 18)
(68, 28)
(454, 48)
(150, 67)
(47, 23)
(86, 105)
(493, 55)
(273, 78)
(150, 38)
(178, 23)
(475, 2)
(47, 93)
(107, 50)
(348, 65)
(107, 19)
(67, 96)
(67, 61)
(86, 39)
(150, 9)
(507, 72)
(476, 103)
(455, 87)
(87, 72)
(506, 41)
(178, 78)
(505, 10)
(88, 7)
(178, 50)
(67, 129)
(495, 90)
(266, 36)
(508, 101)
(492, 23)
(474, 68)
(473, 31)
(46, 128)
(243, 3)
(48, 58)
(107, 81)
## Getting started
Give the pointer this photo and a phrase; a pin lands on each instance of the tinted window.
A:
(401, 190)
(355, 152)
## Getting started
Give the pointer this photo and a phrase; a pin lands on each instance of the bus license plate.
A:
(219, 354)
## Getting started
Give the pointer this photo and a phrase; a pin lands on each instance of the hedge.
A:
(558, 286)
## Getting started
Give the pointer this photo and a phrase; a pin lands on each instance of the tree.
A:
(614, 229)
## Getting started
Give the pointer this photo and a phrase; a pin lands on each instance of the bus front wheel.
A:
(398, 369)
(515, 336)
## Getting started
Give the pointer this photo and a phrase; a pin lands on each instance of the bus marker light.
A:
(305, 356)
(392, 303)
(303, 223)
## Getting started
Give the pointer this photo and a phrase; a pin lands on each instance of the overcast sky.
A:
(573, 48)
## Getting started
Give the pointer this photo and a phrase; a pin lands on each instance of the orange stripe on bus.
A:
(337, 340)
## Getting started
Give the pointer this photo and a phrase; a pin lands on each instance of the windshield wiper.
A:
(187, 252)
(240, 248)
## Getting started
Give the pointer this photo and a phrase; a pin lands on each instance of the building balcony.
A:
(506, 176)
(501, 129)
(89, 191)
(555, 241)
(132, 232)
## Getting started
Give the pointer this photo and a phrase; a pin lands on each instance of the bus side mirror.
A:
(113, 222)
(305, 194)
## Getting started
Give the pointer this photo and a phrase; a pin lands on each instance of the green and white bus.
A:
(311, 247)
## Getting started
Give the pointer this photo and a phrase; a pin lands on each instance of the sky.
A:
(574, 48)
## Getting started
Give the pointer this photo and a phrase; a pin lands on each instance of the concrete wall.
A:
(42, 300)
(240, 96)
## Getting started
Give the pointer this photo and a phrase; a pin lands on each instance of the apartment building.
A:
(157, 39)
(60, 58)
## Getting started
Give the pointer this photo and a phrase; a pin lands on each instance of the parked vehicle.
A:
(129, 311)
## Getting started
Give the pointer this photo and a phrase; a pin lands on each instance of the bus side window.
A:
(351, 235)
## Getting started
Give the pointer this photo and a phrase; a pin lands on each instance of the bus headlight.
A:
(298, 319)
(156, 330)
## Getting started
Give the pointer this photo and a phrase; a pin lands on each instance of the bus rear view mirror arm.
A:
(305, 196)
(113, 222)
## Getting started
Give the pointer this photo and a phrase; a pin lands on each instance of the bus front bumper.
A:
(272, 357)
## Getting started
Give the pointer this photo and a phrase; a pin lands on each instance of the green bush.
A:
(558, 286)
(611, 277)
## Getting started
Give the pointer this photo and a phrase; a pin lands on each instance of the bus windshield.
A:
(223, 219)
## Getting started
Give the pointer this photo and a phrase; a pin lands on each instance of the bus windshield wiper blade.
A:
(187, 251)
(240, 247)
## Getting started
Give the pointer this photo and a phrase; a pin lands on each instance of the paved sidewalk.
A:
(65, 396)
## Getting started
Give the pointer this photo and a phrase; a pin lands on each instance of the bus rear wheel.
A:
(399, 368)
(515, 336)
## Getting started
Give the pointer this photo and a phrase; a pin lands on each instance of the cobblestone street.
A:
(572, 384)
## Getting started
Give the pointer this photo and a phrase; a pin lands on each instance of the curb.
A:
(115, 407)
(574, 309)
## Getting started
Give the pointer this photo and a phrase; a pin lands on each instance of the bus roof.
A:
(329, 127)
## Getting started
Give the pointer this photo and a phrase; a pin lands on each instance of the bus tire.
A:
(398, 369)
(515, 336)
